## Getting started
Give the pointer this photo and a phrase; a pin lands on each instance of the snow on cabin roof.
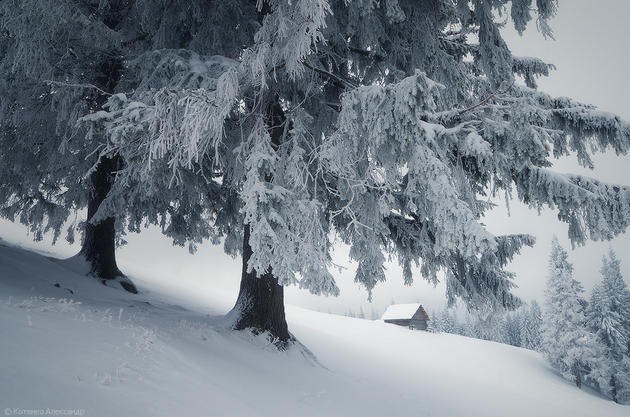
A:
(400, 311)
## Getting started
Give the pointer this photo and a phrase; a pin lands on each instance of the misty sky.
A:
(592, 55)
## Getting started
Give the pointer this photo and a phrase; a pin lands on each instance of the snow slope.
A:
(102, 352)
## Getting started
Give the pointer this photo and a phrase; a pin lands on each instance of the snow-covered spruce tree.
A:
(531, 326)
(448, 322)
(521, 327)
(58, 60)
(566, 342)
(510, 328)
(434, 324)
(608, 317)
(385, 124)
(62, 60)
(444, 321)
(487, 328)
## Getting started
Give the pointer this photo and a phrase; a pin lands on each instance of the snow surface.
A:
(81, 345)
(400, 311)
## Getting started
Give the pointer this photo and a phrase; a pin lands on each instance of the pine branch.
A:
(370, 54)
(336, 78)
(78, 85)
(485, 100)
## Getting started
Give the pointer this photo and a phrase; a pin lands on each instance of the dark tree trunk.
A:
(613, 389)
(99, 243)
(260, 302)
(578, 375)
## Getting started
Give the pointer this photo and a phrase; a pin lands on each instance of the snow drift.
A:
(70, 343)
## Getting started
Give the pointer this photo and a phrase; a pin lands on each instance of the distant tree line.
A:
(521, 328)
(588, 342)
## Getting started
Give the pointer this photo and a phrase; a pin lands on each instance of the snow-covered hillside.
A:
(69, 343)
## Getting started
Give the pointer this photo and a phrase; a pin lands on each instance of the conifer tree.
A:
(531, 324)
(281, 127)
(385, 122)
(566, 343)
(511, 328)
(608, 317)
(59, 60)
(62, 60)
(445, 321)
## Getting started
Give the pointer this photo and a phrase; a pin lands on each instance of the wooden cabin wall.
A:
(398, 322)
(418, 324)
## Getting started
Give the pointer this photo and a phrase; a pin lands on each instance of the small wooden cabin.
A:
(409, 315)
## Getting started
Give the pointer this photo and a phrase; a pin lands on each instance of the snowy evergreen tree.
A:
(521, 328)
(608, 316)
(469, 327)
(446, 321)
(566, 343)
(433, 325)
(61, 60)
(324, 123)
(58, 60)
(510, 328)
(277, 126)
(531, 326)
(486, 328)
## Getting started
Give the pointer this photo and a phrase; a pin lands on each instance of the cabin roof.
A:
(401, 311)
